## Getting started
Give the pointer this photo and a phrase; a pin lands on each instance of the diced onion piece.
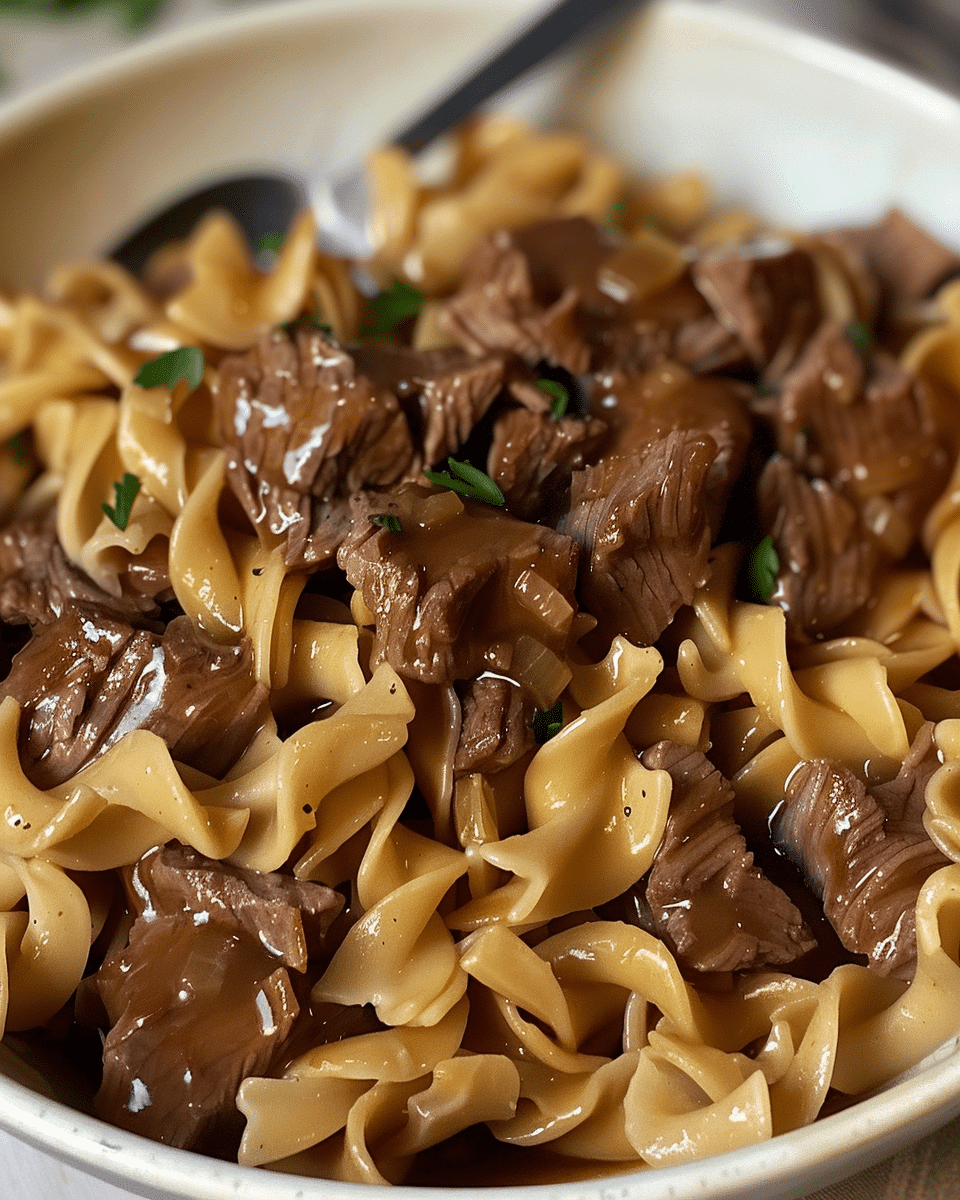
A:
(543, 600)
(646, 264)
(539, 671)
(438, 509)
(889, 526)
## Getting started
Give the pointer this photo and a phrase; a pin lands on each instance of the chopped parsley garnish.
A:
(861, 336)
(307, 321)
(167, 370)
(272, 243)
(547, 724)
(394, 305)
(561, 397)
(131, 14)
(762, 568)
(614, 218)
(21, 447)
(126, 491)
(467, 480)
(388, 521)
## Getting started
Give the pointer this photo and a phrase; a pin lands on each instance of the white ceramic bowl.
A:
(809, 133)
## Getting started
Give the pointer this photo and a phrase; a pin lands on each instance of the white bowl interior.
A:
(808, 133)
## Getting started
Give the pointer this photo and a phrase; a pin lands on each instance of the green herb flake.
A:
(762, 569)
(861, 336)
(126, 492)
(270, 243)
(21, 447)
(467, 480)
(307, 321)
(547, 724)
(561, 397)
(387, 521)
(614, 218)
(398, 303)
(167, 370)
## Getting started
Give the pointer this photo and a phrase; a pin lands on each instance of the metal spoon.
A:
(267, 203)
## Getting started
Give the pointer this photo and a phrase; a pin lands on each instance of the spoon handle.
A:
(557, 27)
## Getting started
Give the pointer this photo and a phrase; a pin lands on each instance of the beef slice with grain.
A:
(908, 261)
(706, 899)
(497, 726)
(641, 525)
(202, 995)
(90, 677)
(461, 587)
(304, 430)
(864, 852)
(827, 558)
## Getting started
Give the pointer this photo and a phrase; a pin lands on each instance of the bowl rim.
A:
(842, 1142)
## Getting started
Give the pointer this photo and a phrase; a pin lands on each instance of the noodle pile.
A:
(506, 990)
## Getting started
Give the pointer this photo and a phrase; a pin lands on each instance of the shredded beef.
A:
(908, 261)
(497, 728)
(38, 581)
(864, 425)
(459, 589)
(705, 898)
(827, 557)
(641, 524)
(865, 854)
(304, 430)
(532, 457)
(201, 996)
(89, 678)
(767, 294)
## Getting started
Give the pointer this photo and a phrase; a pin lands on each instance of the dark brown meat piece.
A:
(908, 261)
(864, 425)
(641, 524)
(640, 409)
(866, 855)
(201, 997)
(305, 430)
(707, 901)
(38, 581)
(827, 557)
(767, 294)
(443, 392)
(532, 457)
(497, 727)
(462, 588)
(89, 678)
(521, 291)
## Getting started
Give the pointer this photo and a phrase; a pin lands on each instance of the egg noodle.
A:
(503, 997)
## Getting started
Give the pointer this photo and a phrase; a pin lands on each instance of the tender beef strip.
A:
(497, 727)
(766, 293)
(908, 260)
(532, 457)
(864, 425)
(827, 557)
(866, 855)
(462, 587)
(305, 430)
(89, 678)
(642, 408)
(641, 524)
(703, 894)
(444, 392)
(201, 996)
(38, 582)
(521, 292)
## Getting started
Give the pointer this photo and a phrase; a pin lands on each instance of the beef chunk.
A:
(863, 424)
(443, 392)
(641, 408)
(304, 430)
(89, 678)
(497, 727)
(866, 855)
(642, 528)
(827, 558)
(462, 588)
(908, 261)
(766, 293)
(201, 996)
(532, 457)
(38, 581)
(705, 898)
